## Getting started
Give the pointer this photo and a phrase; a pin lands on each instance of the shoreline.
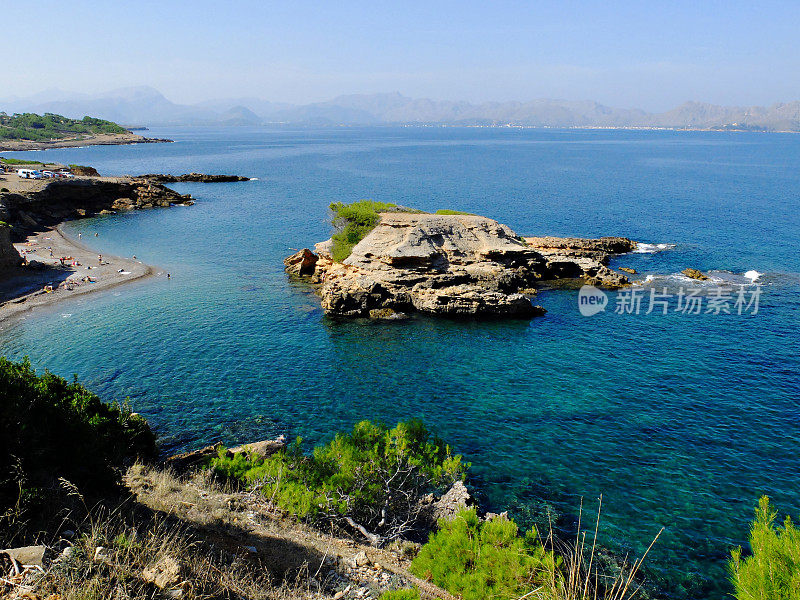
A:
(24, 291)
(104, 139)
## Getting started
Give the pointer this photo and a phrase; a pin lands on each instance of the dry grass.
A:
(581, 579)
(132, 552)
(111, 559)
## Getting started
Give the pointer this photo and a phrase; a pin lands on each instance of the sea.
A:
(679, 419)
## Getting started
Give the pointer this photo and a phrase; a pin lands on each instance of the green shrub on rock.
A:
(773, 570)
(478, 560)
(50, 428)
(353, 222)
(370, 480)
(448, 211)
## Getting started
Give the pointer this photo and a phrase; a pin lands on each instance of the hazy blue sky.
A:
(646, 54)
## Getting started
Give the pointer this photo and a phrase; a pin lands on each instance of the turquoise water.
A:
(679, 421)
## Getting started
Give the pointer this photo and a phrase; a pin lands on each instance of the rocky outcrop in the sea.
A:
(63, 199)
(191, 177)
(584, 259)
(454, 265)
(695, 274)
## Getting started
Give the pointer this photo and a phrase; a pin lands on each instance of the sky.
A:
(650, 55)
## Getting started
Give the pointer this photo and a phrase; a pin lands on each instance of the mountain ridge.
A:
(147, 106)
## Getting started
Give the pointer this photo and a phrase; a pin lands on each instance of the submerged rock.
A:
(628, 270)
(386, 314)
(452, 265)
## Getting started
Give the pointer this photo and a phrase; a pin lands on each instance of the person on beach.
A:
(100, 258)
(80, 235)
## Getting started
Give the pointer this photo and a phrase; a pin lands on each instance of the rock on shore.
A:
(454, 265)
(9, 257)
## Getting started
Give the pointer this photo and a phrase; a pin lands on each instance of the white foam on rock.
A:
(752, 275)
(642, 248)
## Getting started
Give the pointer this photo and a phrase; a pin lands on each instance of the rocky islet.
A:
(451, 265)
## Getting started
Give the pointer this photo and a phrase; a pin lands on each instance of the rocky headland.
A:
(451, 265)
(57, 200)
(191, 177)
(78, 141)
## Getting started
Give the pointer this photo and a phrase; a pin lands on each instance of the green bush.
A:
(50, 428)
(371, 479)
(408, 594)
(30, 126)
(477, 560)
(772, 572)
(20, 161)
(447, 211)
(353, 222)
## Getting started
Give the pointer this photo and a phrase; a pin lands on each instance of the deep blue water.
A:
(679, 421)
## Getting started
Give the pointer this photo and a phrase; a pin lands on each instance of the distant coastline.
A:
(582, 127)
(145, 106)
(102, 139)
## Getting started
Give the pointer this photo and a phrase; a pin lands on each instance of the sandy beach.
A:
(83, 272)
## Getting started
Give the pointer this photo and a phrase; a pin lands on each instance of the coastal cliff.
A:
(9, 257)
(454, 265)
(60, 199)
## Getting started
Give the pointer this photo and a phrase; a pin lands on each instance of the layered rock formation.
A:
(455, 265)
(584, 259)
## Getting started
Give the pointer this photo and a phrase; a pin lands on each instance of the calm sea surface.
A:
(678, 421)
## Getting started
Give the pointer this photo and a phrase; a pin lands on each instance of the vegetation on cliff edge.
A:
(353, 222)
(51, 428)
(448, 211)
(478, 560)
(370, 480)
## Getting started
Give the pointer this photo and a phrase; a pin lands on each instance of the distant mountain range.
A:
(144, 106)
